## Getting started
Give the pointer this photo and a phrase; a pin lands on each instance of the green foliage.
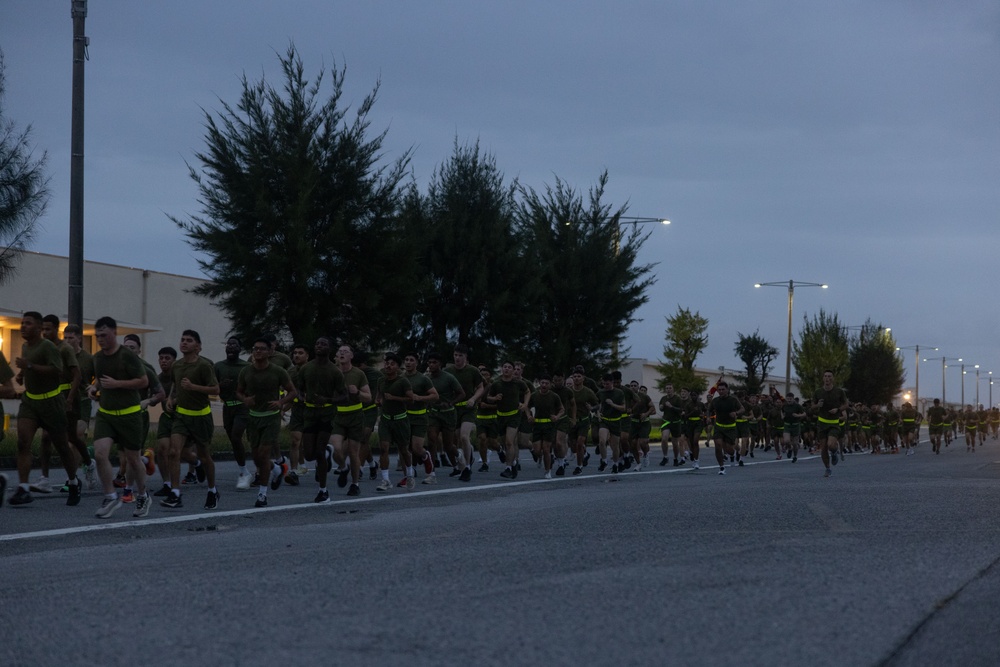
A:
(469, 255)
(299, 219)
(757, 354)
(24, 189)
(686, 337)
(822, 346)
(876, 375)
(580, 285)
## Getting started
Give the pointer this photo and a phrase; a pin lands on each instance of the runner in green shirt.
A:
(349, 421)
(471, 380)
(259, 388)
(69, 385)
(79, 415)
(43, 405)
(612, 406)
(394, 425)
(442, 415)
(510, 396)
(120, 377)
(194, 382)
(234, 411)
(566, 421)
(321, 385)
(424, 394)
(544, 409)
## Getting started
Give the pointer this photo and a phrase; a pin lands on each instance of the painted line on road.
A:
(347, 502)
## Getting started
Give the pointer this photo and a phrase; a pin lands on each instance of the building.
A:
(156, 306)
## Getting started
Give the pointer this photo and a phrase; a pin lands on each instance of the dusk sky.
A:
(849, 143)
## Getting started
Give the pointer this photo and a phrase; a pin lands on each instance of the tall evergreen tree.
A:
(822, 346)
(686, 337)
(581, 284)
(468, 251)
(757, 354)
(877, 374)
(24, 190)
(299, 215)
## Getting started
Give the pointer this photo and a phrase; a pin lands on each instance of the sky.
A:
(851, 143)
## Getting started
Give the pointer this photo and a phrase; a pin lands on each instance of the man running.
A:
(234, 411)
(829, 403)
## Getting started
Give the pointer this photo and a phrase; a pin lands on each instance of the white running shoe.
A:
(430, 479)
(243, 481)
(41, 485)
(88, 473)
(384, 486)
(695, 465)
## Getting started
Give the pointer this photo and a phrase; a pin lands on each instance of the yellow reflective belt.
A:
(401, 415)
(40, 397)
(486, 416)
(65, 387)
(506, 414)
(370, 407)
(207, 410)
(611, 419)
(254, 413)
(313, 405)
(543, 421)
(833, 421)
(461, 404)
(132, 409)
(721, 425)
(350, 408)
(231, 404)
(417, 412)
(909, 420)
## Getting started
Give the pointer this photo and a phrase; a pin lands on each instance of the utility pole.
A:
(80, 44)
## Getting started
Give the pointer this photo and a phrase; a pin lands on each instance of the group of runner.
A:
(343, 418)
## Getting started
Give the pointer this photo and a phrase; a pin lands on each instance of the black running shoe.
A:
(506, 474)
(560, 471)
(578, 470)
(261, 501)
(163, 492)
(454, 472)
(342, 477)
(21, 497)
(484, 468)
(212, 500)
(373, 472)
(74, 493)
(466, 475)
(602, 467)
(322, 497)
(173, 501)
(355, 490)
(190, 478)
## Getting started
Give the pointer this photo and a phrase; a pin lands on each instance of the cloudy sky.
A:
(851, 143)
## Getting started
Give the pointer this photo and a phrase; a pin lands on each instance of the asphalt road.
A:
(892, 561)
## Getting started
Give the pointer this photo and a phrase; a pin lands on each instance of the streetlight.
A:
(991, 390)
(944, 365)
(635, 222)
(916, 388)
(791, 294)
(963, 382)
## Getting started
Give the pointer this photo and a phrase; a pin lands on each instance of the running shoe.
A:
(41, 485)
(75, 491)
(355, 490)
(292, 478)
(507, 473)
(695, 465)
(173, 501)
(322, 497)
(384, 486)
(578, 470)
(243, 481)
(212, 500)
(484, 468)
(150, 463)
(411, 483)
(90, 470)
(190, 478)
(602, 467)
(402, 483)
(261, 501)
(430, 479)
(828, 473)
(663, 462)
(342, 477)
(120, 481)
(21, 497)
(466, 475)
(428, 463)
(302, 470)
(199, 472)
(108, 507)
(276, 479)
(722, 470)
(560, 471)
(128, 496)
(833, 457)
(548, 474)
(163, 492)
(455, 472)
(142, 505)
(373, 471)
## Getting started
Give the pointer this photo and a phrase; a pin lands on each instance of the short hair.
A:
(106, 322)
(723, 384)
(73, 329)
(262, 339)
(617, 375)
(392, 356)
(413, 354)
(435, 356)
(462, 348)
(270, 338)
(134, 338)
(238, 342)
(193, 334)
(167, 350)
(297, 346)
(544, 376)
(33, 314)
(578, 369)
(52, 319)
(608, 377)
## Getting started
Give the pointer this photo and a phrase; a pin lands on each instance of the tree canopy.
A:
(822, 346)
(24, 188)
(757, 354)
(876, 369)
(686, 337)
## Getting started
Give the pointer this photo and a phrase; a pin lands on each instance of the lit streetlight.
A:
(944, 365)
(916, 348)
(791, 294)
(963, 381)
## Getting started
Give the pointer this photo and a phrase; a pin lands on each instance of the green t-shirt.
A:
(617, 397)
(584, 397)
(397, 387)
(834, 398)
(511, 394)
(375, 379)
(670, 406)
(122, 365)
(281, 360)
(641, 405)
(228, 373)
(42, 353)
(448, 387)
(421, 386)
(357, 377)
(468, 376)
(69, 362)
(263, 384)
(85, 360)
(321, 383)
(546, 405)
(565, 395)
(200, 372)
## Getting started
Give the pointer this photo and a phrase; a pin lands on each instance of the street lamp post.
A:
(635, 222)
(791, 295)
(916, 388)
(991, 389)
(963, 382)
(944, 365)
